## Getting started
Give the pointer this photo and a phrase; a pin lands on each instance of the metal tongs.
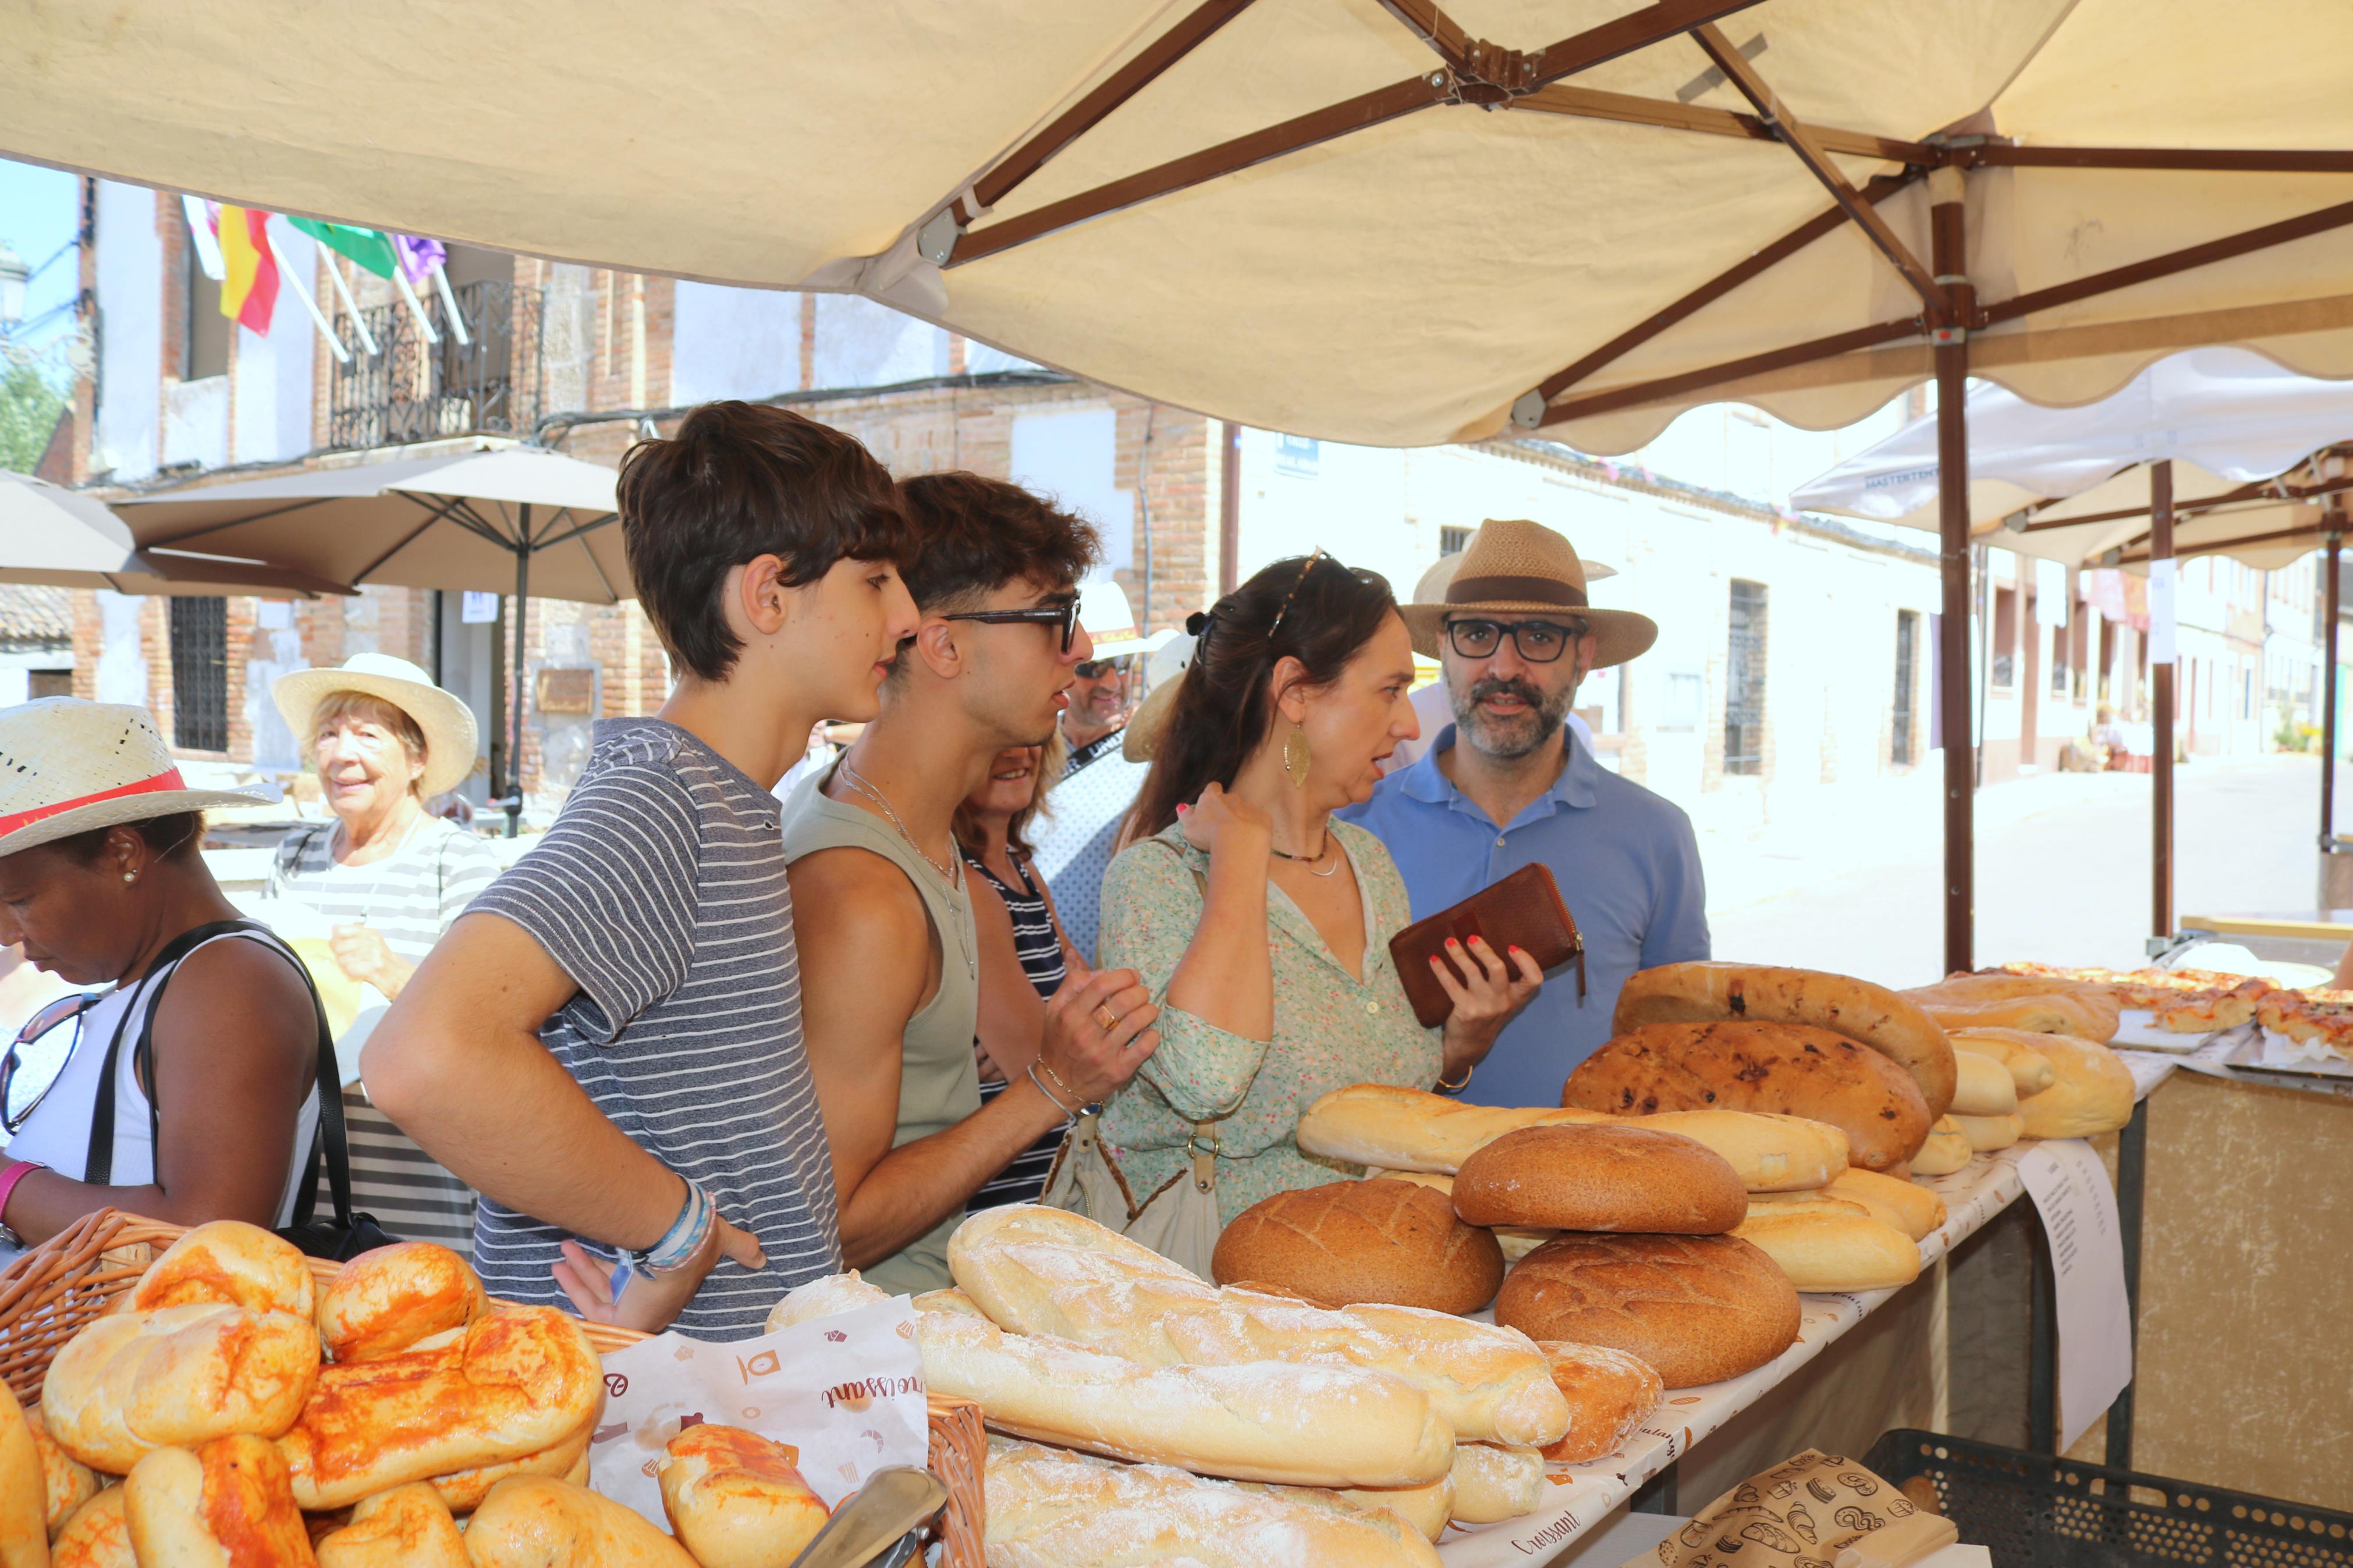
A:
(886, 1514)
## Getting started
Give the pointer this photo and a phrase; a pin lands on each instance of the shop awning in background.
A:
(2068, 484)
(1367, 220)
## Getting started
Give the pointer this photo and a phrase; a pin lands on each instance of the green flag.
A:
(367, 247)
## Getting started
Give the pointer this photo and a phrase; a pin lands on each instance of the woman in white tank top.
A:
(187, 1092)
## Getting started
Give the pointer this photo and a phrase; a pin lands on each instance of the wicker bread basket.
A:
(50, 1292)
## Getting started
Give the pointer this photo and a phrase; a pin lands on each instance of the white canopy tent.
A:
(1379, 221)
(2217, 451)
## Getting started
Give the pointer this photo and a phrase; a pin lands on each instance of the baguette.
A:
(519, 1381)
(2092, 1090)
(97, 1535)
(407, 1527)
(176, 1377)
(1268, 1421)
(1908, 1206)
(1868, 1014)
(1398, 1129)
(1983, 1085)
(1988, 1134)
(1965, 989)
(535, 1521)
(1493, 1483)
(1425, 1507)
(1049, 1510)
(2037, 1014)
(24, 1491)
(1831, 1244)
(1948, 1150)
(2030, 1069)
(1043, 1271)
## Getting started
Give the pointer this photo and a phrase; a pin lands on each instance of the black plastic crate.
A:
(2032, 1510)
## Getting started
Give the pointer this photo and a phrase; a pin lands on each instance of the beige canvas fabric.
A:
(65, 538)
(1398, 285)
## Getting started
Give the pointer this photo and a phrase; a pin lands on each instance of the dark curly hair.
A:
(973, 535)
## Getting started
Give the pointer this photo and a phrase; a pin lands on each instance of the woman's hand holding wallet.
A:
(1488, 992)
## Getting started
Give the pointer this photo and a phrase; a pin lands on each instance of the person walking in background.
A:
(607, 1046)
(890, 953)
(1506, 786)
(1261, 923)
(186, 1090)
(1024, 957)
(390, 878)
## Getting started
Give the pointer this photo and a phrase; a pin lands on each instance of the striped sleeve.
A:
(467, 866)
(610, 892)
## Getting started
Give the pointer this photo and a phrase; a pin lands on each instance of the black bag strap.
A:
(97, 1165)
(330, 1133)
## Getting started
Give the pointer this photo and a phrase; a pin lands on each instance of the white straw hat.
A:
(451, 736)
(69, 766)
(1109, 621)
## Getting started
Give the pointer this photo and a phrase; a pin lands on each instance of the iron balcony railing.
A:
(412, 390)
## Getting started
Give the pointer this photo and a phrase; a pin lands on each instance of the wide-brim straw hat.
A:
(68, 766)
(1110, 620)
(451, 736)
(1514, 567)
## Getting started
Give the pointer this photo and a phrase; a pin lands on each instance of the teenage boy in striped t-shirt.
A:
(607, 1045)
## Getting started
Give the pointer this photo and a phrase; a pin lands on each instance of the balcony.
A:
(412, 390)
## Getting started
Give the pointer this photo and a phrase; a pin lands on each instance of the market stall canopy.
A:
(453, 522)
(1366, 220)
(2251, 445)
(63, 539)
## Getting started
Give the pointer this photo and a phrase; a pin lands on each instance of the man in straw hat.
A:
(1100, 684)
(1506, 786)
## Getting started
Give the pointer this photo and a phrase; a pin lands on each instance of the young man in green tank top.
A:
(889, 988)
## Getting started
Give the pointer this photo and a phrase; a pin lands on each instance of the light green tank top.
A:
(939, 1082)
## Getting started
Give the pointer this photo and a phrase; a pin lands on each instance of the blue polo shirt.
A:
(1628, 868)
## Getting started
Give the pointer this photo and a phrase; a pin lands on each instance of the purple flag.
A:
(418, 257)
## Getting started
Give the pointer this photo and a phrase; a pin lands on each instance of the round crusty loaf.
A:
(1699, 1309)
(1600, 1178)
(1610, 1394)
(1873, 1015)
(1790, 1068)
(1363, 1241)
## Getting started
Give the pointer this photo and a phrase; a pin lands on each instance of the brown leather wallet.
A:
(1522, 911)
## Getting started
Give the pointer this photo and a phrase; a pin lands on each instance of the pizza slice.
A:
(2205, 1010)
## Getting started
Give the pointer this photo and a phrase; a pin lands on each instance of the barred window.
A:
(200, 674)
(1743, 701)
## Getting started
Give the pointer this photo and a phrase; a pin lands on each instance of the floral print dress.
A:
(1331, 1029)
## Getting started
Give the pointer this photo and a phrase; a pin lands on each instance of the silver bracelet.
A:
(1048, 1093)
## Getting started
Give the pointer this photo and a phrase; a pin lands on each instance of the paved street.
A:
(2062, 869)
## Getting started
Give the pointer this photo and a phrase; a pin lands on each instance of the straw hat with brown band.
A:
(1514, 569)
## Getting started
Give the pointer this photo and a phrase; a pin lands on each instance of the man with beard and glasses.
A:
(1508, 784)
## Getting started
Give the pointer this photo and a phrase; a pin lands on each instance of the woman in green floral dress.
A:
(1261, 926)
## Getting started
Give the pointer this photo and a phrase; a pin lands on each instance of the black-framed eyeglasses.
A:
(1065, 614)
(55, 1016)
(1539, 642)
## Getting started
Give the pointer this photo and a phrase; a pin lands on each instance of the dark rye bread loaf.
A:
(1699, 1309)
(1600, 1177)
(1789, 1069)
(1349, 1242)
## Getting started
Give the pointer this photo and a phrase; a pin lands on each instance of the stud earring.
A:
(131, 876)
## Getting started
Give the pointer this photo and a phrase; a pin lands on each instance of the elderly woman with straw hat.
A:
(185, 1088)
(389, 877)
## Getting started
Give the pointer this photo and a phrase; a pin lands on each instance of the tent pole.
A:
(1952, 349)
(2160, 676)
(2329, 606)
(514, 706)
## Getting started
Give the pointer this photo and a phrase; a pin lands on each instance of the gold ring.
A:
(1106, 1018)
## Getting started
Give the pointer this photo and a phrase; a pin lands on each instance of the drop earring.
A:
(1297, 758)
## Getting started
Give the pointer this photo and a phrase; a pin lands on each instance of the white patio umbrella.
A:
(493, 518)
(65, 538)
(2072, 484)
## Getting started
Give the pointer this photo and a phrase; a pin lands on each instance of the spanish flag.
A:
(250, 291)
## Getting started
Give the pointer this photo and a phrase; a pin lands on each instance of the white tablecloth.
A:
(1583, 1494)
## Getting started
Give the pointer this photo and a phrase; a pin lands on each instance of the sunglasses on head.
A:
(1065, 614)
(65, 1009)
